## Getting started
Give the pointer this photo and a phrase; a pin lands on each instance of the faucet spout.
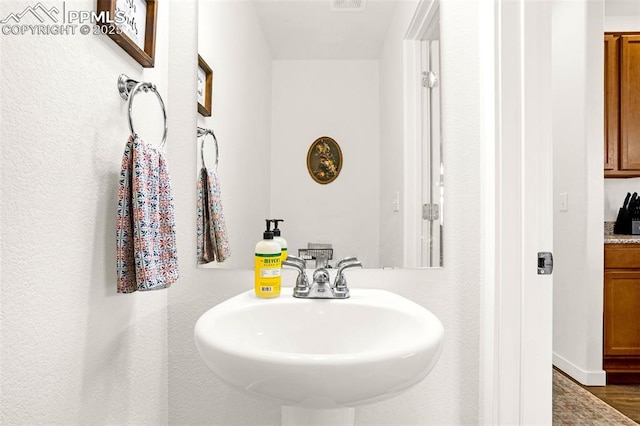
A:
(320, 276)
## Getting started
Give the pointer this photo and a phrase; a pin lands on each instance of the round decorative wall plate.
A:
(324, 160)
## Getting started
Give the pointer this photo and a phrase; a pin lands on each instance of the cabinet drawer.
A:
(622, 256)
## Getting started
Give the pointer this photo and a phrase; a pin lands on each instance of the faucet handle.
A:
(302, 285)
(340, 284)
(349, 264)
(292, 264)
(346, 260)
(297, 259)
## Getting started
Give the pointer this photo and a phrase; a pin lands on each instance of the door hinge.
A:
(429, 79)
(545, 263)
(431, 211)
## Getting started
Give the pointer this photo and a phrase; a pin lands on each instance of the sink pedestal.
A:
(298, 416)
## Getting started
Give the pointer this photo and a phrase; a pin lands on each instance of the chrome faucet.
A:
(321, 287)
(340, 288)
(302, 284)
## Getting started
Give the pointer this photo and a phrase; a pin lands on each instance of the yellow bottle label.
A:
(284, 253)
(267, 274)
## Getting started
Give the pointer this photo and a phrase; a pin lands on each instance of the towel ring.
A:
(128, 89)
(203, 134)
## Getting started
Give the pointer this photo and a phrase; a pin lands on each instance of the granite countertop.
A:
(611, 238)
(622, 239)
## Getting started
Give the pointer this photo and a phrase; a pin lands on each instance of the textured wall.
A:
(73, 351)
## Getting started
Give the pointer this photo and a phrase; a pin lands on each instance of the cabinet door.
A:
(622, 312)
(630, 102)
(611, 101)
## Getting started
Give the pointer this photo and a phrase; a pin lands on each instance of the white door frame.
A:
(424, 20)
(517, 211)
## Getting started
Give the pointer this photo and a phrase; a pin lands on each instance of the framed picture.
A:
(131, 24)
(324, 160)
(205, 87)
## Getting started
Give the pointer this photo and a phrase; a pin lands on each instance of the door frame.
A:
(517, 212)
(425, 19)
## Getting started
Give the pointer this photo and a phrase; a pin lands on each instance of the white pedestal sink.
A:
(320, 358)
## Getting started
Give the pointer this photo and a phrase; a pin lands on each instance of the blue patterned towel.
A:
(146, 253)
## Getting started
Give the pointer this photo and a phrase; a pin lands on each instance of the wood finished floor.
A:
(624, 398)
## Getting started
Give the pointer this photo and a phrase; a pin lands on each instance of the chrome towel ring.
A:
(128, 89)
(202, 133)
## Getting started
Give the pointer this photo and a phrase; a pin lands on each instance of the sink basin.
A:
(320, 354)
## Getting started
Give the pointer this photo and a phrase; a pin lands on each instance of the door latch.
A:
(545, 263)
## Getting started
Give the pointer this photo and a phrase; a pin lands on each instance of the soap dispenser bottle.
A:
(278, 239)
(268, 264)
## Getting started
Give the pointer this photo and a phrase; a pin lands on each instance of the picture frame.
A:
(324, 160)
(205, 87)
(132, 24)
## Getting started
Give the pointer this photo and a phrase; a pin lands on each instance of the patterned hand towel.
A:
(205, 236)
(218, 222)
(145, 248)
(213, 242)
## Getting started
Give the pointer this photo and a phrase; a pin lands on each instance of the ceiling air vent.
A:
(348, 5)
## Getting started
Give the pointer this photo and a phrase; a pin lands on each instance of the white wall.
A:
(391, 135)
(621, 15)
(338, 99)
(241, 120)
(578, 240)
(73, 351)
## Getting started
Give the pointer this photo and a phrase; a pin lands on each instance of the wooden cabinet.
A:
(622, 105)
(622, 313)
(611, 102)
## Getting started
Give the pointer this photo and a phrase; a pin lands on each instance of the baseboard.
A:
(623, 377)
(587, 378)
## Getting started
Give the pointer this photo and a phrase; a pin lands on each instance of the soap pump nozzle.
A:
(276, 230)
(268, 233)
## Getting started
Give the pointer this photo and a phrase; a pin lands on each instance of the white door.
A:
(518, 215)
